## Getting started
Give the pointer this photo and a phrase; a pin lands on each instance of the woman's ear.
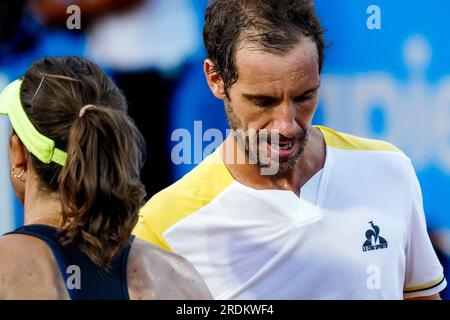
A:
(214, 80)
(18, 161)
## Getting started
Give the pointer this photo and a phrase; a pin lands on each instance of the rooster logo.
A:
(373, 239)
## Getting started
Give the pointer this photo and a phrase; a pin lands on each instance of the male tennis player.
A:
(342, 216)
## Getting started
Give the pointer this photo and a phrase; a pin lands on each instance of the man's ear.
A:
(215, 81)
(17, 154)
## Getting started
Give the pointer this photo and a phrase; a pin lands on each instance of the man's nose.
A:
(284, 120)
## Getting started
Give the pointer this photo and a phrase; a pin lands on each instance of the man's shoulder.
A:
(345, 141)
(186, 196)
(375, 159)
(200, 185)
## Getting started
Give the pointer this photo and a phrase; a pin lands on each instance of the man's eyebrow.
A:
(308, 91)
(258, 97)
(266, 97)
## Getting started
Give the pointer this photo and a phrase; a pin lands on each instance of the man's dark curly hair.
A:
(274, 25)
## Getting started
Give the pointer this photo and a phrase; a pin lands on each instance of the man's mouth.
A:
(283, 149)
(286, 145)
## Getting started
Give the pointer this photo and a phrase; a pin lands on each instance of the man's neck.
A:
(310, 162)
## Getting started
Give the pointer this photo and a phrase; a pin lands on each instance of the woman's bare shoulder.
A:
(28, 270)
(155, 273)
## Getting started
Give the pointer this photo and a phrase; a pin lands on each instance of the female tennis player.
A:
(75, 159)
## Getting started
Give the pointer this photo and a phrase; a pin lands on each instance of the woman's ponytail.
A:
(99, 186)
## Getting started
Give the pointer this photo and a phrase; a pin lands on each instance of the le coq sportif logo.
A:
(373, 239)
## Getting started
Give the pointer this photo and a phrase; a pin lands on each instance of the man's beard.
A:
(251, 143)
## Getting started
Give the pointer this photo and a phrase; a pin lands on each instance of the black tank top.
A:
(94, 283)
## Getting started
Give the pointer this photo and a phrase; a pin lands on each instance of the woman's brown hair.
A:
(99, 186)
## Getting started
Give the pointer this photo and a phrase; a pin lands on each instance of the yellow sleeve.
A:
(186, 196)
(145, 229)
(164, 210)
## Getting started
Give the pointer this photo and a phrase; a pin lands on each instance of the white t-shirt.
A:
(356, 232)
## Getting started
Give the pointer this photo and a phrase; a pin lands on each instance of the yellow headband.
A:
(39, 145)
